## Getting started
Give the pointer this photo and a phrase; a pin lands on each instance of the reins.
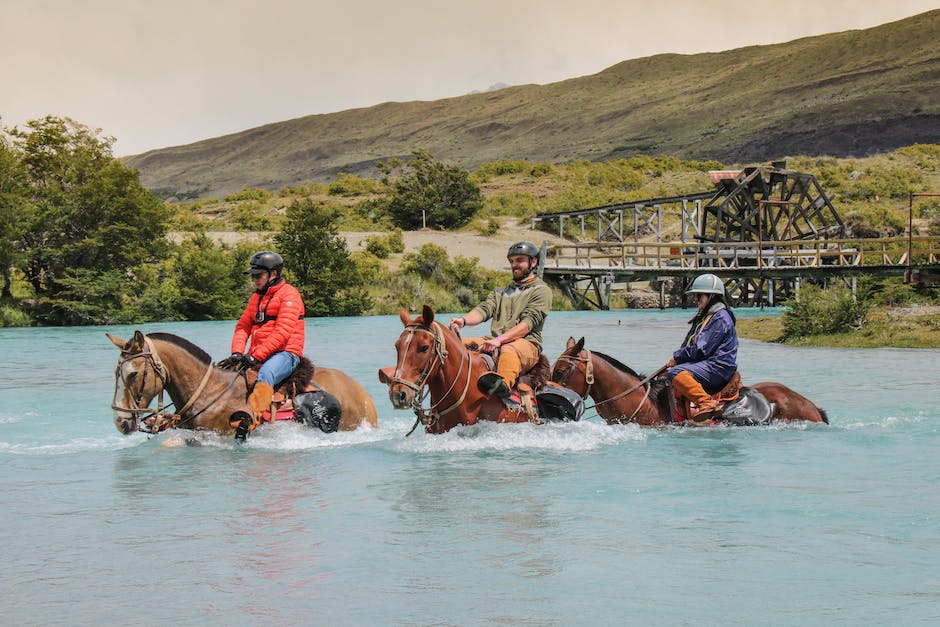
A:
(589, 380)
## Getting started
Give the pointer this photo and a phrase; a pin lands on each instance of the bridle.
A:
(141, 413)
(156, 365)
(574, 360)
(429, 415)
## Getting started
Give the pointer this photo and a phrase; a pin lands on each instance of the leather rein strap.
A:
(589, 380)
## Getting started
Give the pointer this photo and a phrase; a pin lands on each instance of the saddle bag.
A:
(318, 409)
(559, 404)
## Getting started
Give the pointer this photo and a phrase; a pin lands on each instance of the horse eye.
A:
(423, 349)
(131, 376)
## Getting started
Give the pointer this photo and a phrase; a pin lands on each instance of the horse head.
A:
(138, 377)
(573, 369)
(421, 352)
(433, 362)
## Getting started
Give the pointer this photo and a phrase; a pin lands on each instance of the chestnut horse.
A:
(432, 359)
(621, 395)
(204, 395)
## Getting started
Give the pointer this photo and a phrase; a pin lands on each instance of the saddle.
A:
(737, 405)
(297, 398)
(684, 410)
(524, 393)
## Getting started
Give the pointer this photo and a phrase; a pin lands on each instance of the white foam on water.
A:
(886, 422)
(489, 436)
(75, 445)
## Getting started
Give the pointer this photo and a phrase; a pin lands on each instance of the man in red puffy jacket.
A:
(270, 331)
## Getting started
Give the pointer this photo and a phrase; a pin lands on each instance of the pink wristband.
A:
(499, 338)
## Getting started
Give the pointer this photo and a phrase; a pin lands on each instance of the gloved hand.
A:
(232, 362)
(249, 361)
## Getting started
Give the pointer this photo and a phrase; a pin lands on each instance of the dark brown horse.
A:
(621, 395)
(204, 395)
(432, 360)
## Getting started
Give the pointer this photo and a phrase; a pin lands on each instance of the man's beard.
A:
(519, 274)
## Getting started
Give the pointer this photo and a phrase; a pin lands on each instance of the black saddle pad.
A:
(559, 404)
(750, 408)
(318, 409)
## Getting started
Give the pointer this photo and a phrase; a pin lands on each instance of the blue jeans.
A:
(277, 367)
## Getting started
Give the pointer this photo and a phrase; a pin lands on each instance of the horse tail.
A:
(822, 412)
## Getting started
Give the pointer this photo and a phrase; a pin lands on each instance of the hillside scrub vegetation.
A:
(85, 243)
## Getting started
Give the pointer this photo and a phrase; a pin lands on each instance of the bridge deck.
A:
(783, 259)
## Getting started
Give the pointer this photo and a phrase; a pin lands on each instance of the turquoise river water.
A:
(565, 524)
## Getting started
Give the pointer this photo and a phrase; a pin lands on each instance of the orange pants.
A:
(515, 357)
(685, 386)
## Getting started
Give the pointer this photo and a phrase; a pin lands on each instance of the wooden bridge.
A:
(762, 229)
(756, 272)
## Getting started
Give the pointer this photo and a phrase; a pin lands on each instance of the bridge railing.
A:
(887, 251)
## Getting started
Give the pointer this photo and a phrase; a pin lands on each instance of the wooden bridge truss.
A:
(762, 208)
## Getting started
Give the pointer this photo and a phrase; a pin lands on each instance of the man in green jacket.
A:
(518, 312)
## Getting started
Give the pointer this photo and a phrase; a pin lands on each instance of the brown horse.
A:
(432, 359)
(204, 395)
(621, 395)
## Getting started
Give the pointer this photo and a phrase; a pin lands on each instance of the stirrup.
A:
(244, 426)
(706, 414)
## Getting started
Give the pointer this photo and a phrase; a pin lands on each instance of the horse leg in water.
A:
(790, 405)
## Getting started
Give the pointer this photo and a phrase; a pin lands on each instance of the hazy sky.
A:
(157, 73)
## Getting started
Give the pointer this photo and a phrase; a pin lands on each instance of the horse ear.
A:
(138, 340)
(580, 345)
(405, 318)
(116, 340)
(427, 314)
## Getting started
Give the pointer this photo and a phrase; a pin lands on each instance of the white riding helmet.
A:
(706, 284)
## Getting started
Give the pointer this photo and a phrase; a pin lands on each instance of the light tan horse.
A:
(622, 395)
(204, 395)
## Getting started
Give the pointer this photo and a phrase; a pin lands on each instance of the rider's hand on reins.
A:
(456, 326)
(232, 362)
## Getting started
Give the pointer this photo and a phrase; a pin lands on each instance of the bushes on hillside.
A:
(432, 194)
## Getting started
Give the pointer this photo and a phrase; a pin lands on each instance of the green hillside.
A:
(854, 93)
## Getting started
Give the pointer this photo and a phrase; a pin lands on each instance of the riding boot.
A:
(688, 388)
(492, 383)
(260, 399)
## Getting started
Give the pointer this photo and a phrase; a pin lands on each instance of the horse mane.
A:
(618, 365)
(183, 343)
(659, 387)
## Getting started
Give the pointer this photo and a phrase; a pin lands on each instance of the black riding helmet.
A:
(523, 248)
(265, 261)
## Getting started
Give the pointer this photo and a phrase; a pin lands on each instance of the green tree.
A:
(210, 282)
(317, 260)
(88, 220)
(432, 192)
(14, 207)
